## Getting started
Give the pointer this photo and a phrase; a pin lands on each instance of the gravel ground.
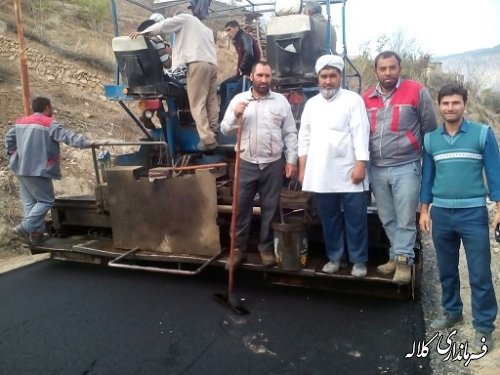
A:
(431, 303)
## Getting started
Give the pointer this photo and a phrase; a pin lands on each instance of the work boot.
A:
(446, 321)
(331, 267)
(387, 268)
(402, 275)
(238, 258)
(267, 258)
(23, 235)
(481, 339)
(359, 270)
(38, 238)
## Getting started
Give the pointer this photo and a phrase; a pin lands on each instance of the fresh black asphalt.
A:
(71, 318)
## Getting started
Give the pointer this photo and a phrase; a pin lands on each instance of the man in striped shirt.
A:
(163, 49)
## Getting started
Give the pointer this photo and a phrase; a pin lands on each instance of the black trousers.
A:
(268, 183)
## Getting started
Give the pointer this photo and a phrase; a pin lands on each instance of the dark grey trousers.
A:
(268, 183)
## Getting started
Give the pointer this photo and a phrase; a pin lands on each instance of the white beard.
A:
(329, 93)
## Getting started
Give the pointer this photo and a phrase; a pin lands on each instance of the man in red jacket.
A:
(246, 47)
(400, 111)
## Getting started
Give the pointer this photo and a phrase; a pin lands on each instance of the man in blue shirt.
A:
(455, 156)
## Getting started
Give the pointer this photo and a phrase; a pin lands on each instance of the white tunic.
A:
(334, 135)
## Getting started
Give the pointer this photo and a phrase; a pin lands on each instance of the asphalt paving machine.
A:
(166, 207)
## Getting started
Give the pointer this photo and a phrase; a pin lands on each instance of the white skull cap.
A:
(157, 17)
(329, 60)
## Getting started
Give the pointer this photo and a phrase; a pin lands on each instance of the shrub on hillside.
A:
(95, 13)
(491, 99)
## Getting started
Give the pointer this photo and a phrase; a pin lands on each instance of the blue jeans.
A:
(351, 224)
(396, 190)
(469, 225)
(37, 197)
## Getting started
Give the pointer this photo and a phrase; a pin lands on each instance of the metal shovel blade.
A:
(230, 301)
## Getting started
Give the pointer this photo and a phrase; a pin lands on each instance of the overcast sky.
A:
(440, 27)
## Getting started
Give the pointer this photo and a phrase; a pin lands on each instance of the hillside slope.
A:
(482, 65)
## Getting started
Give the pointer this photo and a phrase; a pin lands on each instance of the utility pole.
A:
(22, 58)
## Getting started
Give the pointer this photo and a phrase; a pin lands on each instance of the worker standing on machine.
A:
(269, 130)
(194, 46)
(320, 26)
(162, 48)
(248, 52)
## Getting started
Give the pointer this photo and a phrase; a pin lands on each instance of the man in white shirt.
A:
(333, 152)
(268, 133)
(194, 46)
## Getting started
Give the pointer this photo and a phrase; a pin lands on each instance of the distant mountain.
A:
(481, 66)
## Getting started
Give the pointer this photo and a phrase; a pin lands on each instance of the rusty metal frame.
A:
(114, 263)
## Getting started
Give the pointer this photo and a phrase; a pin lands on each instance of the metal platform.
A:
(102, 251)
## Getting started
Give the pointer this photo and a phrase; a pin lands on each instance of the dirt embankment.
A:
(55, 70)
